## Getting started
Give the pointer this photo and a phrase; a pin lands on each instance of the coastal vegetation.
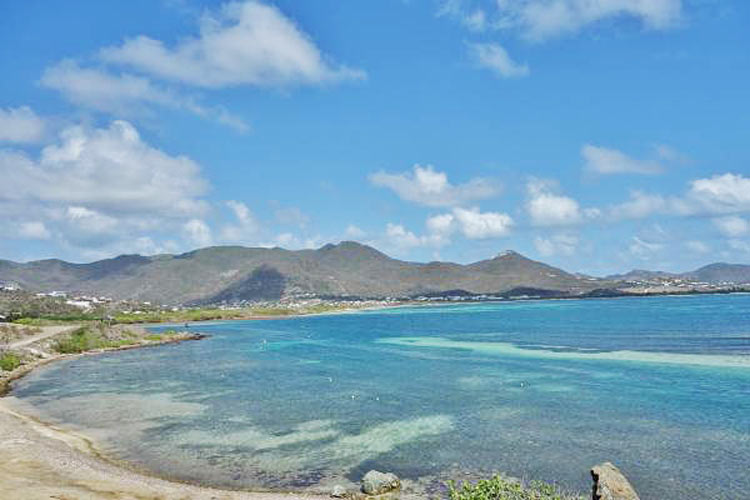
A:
(9, 361)
(91, 337)
(498, 488)
(51, 311)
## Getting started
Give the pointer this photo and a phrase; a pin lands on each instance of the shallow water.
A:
(542, 390)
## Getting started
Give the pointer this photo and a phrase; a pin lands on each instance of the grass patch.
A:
(498, 488)
(88, 338)
(9, 361)
(273, 311)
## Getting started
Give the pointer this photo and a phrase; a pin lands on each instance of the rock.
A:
(338, 491)
(377, 483)
(610, 484)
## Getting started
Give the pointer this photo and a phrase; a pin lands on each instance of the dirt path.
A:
(47, 332)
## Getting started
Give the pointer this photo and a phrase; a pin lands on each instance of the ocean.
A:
(542, 390)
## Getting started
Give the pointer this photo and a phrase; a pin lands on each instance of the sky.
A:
(595, 135)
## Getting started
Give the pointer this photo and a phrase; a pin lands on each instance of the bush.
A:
(9, 361)
(498, 488)
(88, 338)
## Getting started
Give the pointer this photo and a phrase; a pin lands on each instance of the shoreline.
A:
(42, 460)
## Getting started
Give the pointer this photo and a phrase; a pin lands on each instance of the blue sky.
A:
(597, 135)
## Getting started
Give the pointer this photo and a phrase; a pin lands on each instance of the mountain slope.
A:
(721, 273)
(237, 273)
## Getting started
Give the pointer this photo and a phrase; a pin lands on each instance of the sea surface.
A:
(539, 390)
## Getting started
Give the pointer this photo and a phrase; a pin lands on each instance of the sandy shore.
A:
(41, 461)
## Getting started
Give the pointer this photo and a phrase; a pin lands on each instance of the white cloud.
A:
(547, 208)
(476, 20)
(21, 125)
(540, 20)
(124, 94)
(698, 247)
(442, 224)
(198, 233)
(34, 230)
(99, 189)
(639, 206)
(244, 43)
(427, 186)
(495, 58)
(246, 227)
(400, 237)
(720, 194)
(559, 244)
(724, 194)
(732, 226)
(354, 232)
(91, 220)
(109, 169)
(605, 161)
(481, 225)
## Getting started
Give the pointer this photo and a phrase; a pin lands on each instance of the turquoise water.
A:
(541, 390)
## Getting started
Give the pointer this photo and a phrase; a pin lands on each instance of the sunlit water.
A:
(541, 390)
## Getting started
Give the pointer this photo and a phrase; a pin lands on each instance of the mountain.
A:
(641, 275)
(712, 273)
(347, 269)
(721, 273)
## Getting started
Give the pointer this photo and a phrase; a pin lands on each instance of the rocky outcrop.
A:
(610, 484)
(378, 483)
(339, 492)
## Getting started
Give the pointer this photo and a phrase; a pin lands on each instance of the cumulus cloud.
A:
(109, 168)
(21, 125)
(546, 207)
(198, 233)
(125, 94)
(243, 43)
(495, 58)
(34, 230)
(98, 187)
(540, 20)
(354, 232)
(469, 222)
(605, 161)
(246, 226)
(727, 193)
(400, 237)
(427, 186)
(639, 205)
(481, 225)
(732, 226)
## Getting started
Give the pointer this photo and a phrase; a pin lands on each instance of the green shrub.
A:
(88, 338)
(79, 341)
(498, 488)
(9, 361)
